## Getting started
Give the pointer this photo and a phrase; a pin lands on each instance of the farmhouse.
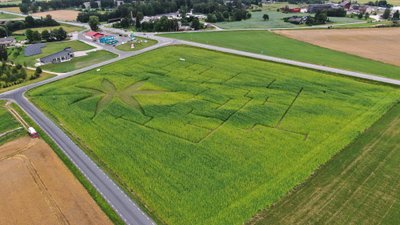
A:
(93, 35)
(7, 41)
(34, 49)
(58, 57)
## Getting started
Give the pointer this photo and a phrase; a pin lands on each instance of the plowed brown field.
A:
(66, 15)
(381, 44)
(37, 188)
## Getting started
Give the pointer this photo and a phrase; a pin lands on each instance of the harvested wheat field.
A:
(39, 189)
(66, 15)
(381, 44)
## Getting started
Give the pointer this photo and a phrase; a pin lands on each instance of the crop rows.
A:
(213, 138)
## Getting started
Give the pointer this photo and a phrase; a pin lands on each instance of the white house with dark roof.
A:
(62, 56)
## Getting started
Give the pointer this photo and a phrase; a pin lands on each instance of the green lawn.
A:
(140, 44)
(68, 28)
(268, 43)
(51, 47)
(201, 137)
(8, 123)
(359, 186)
(80, 62)
(43, 76)
(7, 16)
(275, 21)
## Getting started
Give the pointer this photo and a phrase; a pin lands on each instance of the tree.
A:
(29, 22)
(396, 15)
(366, 16)
(265, 17)
(94, 22)
(3, 53)
(46, 35)
(24, 8)
(196, 23)
(386, 14)
(211, 18)
(360, 16)
(320, 18)
(29, 35)
(36, 36)
(37, 73)
(3, 32)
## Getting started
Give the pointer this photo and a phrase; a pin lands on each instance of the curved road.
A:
(118, 200)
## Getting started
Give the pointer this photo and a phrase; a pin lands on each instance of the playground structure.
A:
(109, 40)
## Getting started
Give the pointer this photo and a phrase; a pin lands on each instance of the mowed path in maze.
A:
(201, 137)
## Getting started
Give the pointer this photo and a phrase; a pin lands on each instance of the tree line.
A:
(13, 74)
(29, 22)
(46, 35)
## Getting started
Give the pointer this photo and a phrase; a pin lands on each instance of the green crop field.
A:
(51, 47)
(8, 16)
(359, 186)
(268, 43)
(80, 62)
(201, 137)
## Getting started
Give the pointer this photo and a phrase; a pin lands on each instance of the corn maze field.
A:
(200, 137)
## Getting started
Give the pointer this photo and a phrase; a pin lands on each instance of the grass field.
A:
(43, 76)
(359, 186)
(213, 138)
(11, 9)
(7, 16)
(8, 123)
(68, 28)
(275, 21)
(80, 62)
(263, 42)
(138, 46)
(51, 47)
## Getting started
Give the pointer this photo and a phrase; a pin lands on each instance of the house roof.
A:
(7, 39)
(94, 34)
(59, 54)
(34, 49)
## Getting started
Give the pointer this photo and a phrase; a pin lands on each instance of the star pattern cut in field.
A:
(127, 95)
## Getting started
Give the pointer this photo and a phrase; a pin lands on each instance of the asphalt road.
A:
(120, 202)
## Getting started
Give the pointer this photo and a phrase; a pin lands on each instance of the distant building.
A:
(118, 3)
(7, 41)
(297, 19)
(93, 35)
(58, 57)
(34, 49)
(87, 5)
(313, 8)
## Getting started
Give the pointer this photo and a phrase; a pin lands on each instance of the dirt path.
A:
(39, 189)
(381, 44)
